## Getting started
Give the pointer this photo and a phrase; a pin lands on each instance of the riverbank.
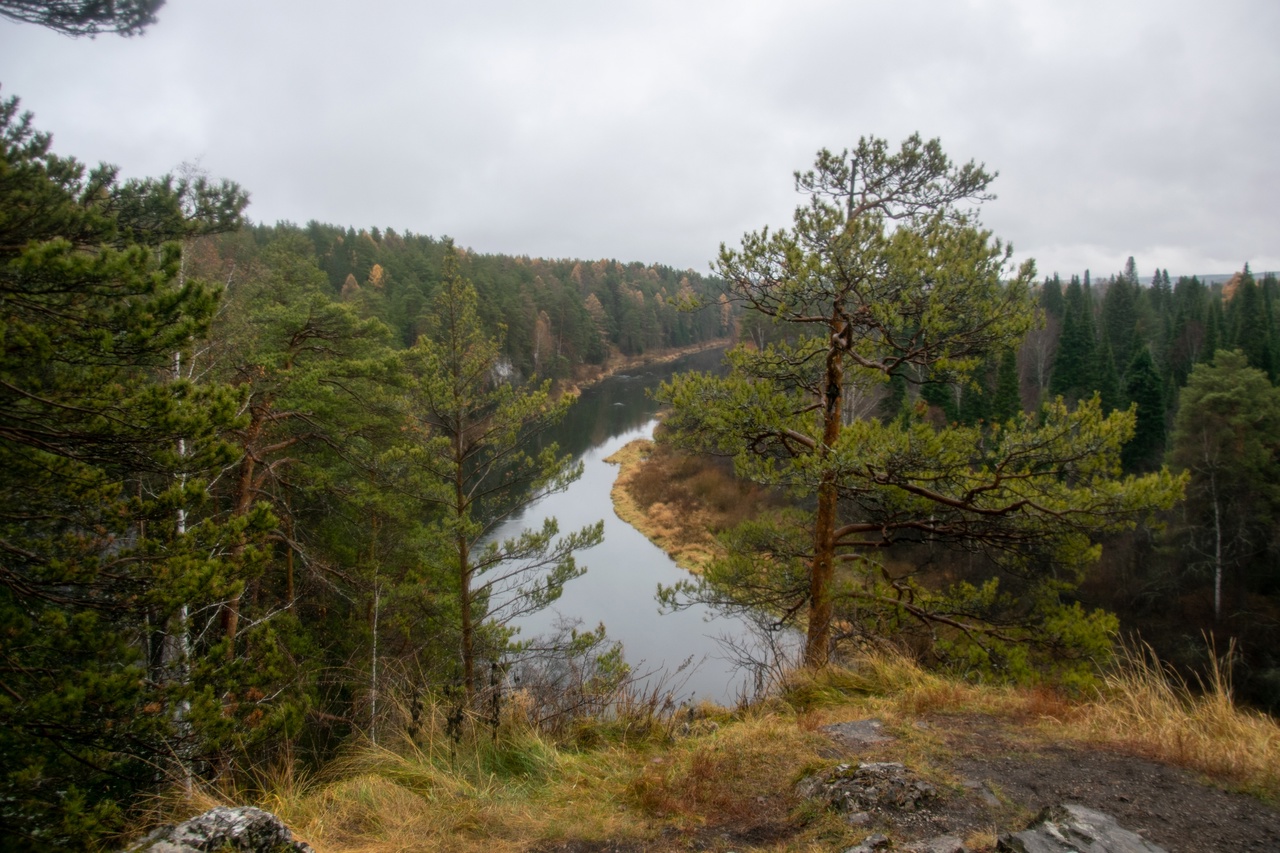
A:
(590, 374)
(685, 537)
(681, 502)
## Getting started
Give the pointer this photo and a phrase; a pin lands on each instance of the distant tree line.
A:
(558, 314)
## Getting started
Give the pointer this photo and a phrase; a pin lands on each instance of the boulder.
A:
(871, 844)
(1075, 829)
(242, 829)
(870, 786)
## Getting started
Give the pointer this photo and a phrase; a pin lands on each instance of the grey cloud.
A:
(653, 130)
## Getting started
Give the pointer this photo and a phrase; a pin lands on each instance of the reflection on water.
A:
(624, 571)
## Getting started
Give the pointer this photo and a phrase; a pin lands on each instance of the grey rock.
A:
(984, 793)
(1071, 828)
(941, 844)
(242, 829)
(867, 787)
(859, 732)
(870, 844)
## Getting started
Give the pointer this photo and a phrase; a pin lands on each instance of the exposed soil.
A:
(1172, 807)
(994, 777)
(1002, 776)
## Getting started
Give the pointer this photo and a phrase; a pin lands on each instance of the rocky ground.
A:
(1006, 777)
(975, 778)
(989, 778)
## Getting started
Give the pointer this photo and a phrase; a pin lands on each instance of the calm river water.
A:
(624, 571)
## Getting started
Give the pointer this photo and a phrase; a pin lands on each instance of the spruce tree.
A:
(1120, 320)
(1007, 402)
(1051, 297)
(1187, 335)
(1106, 378)
(1249, 324)
(1074, 365)
(1145, 390)
(1214, 337)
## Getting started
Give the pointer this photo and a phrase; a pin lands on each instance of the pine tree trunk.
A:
(822, 571)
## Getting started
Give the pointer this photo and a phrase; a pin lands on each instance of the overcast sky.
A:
(653, 131)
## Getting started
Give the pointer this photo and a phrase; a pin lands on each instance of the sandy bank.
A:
(683, 535)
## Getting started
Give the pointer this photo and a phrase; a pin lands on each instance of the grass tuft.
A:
(1147, 708)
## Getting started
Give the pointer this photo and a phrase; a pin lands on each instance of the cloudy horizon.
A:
(653, 131)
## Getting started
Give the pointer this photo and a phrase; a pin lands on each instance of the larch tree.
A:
(884, 274)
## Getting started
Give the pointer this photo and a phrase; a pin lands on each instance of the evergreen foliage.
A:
(474, 434)
(1145, 390)
(1075, 364)
(862, 300)
(85, 17)
(104, 451)
(1227, 435)
(1006, 402)
(1250, 324)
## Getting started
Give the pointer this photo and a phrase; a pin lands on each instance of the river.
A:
(624, 571)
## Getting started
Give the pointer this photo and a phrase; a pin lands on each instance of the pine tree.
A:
(861, 282)
(85, 17)
(104, 449)
(1145, 390)
(474, 441)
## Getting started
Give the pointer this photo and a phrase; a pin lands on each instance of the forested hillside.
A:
(558, 315)
(247, 477)
(248, 473)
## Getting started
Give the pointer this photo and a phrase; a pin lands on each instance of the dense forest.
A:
(1196, 360)
(248, 473)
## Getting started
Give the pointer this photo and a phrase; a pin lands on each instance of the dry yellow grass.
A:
(683, 533)
(523, 790)
(1145, 708)
(682, 502)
